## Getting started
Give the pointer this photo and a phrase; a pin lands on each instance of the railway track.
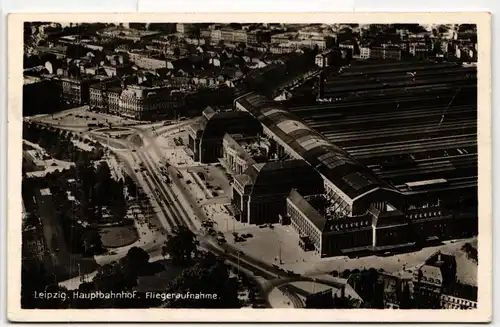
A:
(179, 214)
(383, 99)
(437, 144)
(453, 183)
(385, 116)
(406, 133)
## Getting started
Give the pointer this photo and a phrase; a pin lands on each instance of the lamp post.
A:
(279, 247)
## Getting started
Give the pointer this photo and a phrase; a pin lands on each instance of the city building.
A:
(206, 136)
(216, 96)
(367, 210)
(105, 95)
(398, 289)
(240, 36)
(326, 58)
(40, 96)
(240, 151)
(421, 52)
(447, 281)
(333, 293)
(149, 60)
(284, 37)
(215, 36)
(186, 28)
(320, 227)
(364, 52)
(386, 53)
(147, 103)
(260, 193)
(134, 101)
(76, 88)
(127, 34)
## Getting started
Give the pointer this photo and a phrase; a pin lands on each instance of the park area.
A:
(118, 236)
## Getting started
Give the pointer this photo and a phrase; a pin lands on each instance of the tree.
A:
(135, 262)
(111, 278)
(208, 276)
(181, 244)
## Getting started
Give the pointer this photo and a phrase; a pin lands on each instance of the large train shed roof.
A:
(351, 177)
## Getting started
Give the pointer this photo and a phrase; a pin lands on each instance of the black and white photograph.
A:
(250, 165)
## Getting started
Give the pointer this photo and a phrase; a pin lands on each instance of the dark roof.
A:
(307, 209)
(352, 178)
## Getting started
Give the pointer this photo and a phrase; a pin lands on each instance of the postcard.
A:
(207, 167)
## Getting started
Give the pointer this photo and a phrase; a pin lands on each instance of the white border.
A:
(484, 311)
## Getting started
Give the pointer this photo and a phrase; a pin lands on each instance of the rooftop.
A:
(117, 31)
(31, 79)
(335, 164)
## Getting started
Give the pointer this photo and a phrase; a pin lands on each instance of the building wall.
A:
(390, 235)
(210, 148)
(365, 53)
(385, 53)
(162, 103)
(304, 227)
(334, 242)
(76, 91)
(451, 302)
(42, 97)
(427, 294)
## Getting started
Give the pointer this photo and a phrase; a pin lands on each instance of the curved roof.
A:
(220, 123)
(281, 176)
(351, 177)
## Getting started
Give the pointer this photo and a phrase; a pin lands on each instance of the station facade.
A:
(359, 211)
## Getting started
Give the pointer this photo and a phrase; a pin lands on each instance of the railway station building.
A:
(206, 136)
(364, 209)
(240, 151)
(260, 193)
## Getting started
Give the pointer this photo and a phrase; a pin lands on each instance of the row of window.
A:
(357, 224)
(424, 215)
(303, 225)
